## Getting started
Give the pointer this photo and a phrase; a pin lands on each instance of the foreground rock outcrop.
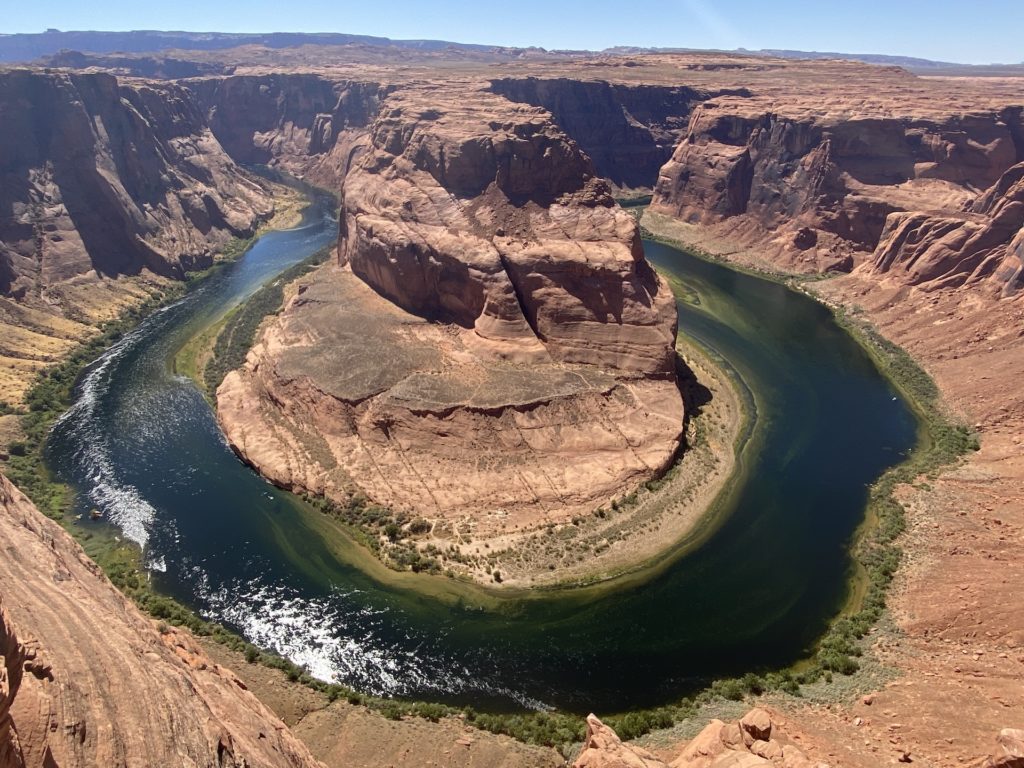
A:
(86, 680)
(1011, 750)
(514, 362)
(750, 742)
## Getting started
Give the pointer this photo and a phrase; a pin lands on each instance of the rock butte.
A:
(544, 383)
(910, 184)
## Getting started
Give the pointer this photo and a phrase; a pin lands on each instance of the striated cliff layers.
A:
(308, 124)
(821, 190)
(86, 680)
(982, 245)
(103, 177)
(627, 130)
(102, 180)
(492, 344)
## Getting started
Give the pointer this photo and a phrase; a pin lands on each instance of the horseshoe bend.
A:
(667, 384)
(489, 351)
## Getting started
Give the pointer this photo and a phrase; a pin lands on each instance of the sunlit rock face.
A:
(491, 341)
(111, 178)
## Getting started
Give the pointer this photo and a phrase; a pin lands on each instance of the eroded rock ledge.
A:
(491, 344)
(86, 680)
(750, 742)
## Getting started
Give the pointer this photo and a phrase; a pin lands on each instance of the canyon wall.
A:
(86, 680)
(307, 124)
(108, 189)
(983, 245)
(822, 191)
(109, 178)
(627, 130)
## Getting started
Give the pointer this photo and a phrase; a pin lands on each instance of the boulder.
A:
(758, 723)
(602, 748)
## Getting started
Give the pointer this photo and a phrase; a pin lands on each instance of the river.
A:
(142, 445)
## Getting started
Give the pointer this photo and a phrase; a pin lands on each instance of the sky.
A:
(978, 32)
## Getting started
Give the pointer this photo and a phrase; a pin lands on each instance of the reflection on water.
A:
(142, 445)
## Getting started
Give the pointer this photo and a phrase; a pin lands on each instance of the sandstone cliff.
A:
(102, 180)
(111, 178)
(86, 680)
(628, 130)
(982, 245)
(308, 124)
(513, 364)
(813, 191)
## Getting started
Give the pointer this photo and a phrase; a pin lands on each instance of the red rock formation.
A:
(309, 125)
(602, 748)
(86, 680)
(98, 176)
(813, 190)
(1011, 750)
(954, 249)
(748, 743)
(483, 213)
(542, 383)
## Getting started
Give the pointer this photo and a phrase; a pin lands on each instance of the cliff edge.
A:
(87, 680)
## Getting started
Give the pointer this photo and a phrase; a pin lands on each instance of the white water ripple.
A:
(339, 640)
(121, 503)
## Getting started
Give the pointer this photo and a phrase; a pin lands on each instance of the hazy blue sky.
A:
(981, 31)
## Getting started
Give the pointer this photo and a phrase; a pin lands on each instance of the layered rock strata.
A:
(983, 245)
(815, 191)
(107, 178)
(307, 124)
(107, 188)
(87, 680)
(628, 130)
(491, 343)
